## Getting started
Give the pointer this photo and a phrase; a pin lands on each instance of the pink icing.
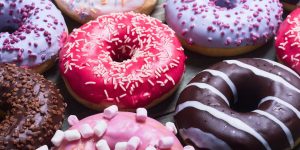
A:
(288, 41)
(125, 59)
(120, 129)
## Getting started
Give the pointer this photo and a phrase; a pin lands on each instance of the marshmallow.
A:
(72, 120)
(58, 137)
(150, 148)
(121, 146)
(102, 145)
(110, 112)
(86, 131)
(166, 142)
(141, 114)
(188, 147)
(133, 143)
(72, 135)
(171, 126)
(44, 147)
(100, 128)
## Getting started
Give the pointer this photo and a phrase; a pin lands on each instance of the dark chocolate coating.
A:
(32, 106)
(251, 88)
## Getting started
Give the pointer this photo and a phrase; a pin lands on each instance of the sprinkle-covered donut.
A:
(290, 4)
(223, 27)
(127, 59)
(86, 10)
(288, 41)
(119, 131)
(32, 33)
(31, 109)
(241, 104)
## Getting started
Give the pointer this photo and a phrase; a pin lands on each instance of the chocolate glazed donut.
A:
(241, 104)
(31, 109)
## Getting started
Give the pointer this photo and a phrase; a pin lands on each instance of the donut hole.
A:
(248, 98)
(121, 54)
(228, 4)
(9, 29)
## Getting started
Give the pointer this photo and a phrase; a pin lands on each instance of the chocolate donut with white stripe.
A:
(241, 104)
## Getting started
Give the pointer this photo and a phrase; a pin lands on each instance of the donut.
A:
(31, 33)
(287, 41)
(244, 104)
(84, 11)
(290, 5)
(116, 130)
(125, 59)
(223, 27)
(31, 109)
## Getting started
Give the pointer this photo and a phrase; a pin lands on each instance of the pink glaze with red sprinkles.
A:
(37, 31)
(126, 59)
(288, 41)
(121, 128)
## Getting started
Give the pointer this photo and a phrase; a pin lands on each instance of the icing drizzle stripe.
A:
(281, 124)
(211, 88)
(226, 79)
(263, 73)
(278, 100)
(226, 118)
(281, 66)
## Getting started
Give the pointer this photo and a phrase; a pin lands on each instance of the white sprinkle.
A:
(141, 114)
(171, 79)
(106, 94)
(171, 127)
(86, 131)
(90, 82)
(100, 128)
(123, 95)
(188, 147)
(102, 145)
(72, 120)
(121, 146)
(72, 135)
(166, 142)
(133, 143)
(110, 112)
(44, 147)
(150, 148)
(150, 82)
(58, 138)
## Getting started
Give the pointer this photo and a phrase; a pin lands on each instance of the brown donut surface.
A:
(241, 104)
(31, 109)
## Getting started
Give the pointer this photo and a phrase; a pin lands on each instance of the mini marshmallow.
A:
(166, 142)
(121, 146)
(86, 131)
(72, 120)
(100, 128)
(150, 148)
(44, 147)
(72, 135)
(133, 143)
(188, 147)
(102, 145)
(58, 137)
(110, 112)
(141, 114)
(171, 126)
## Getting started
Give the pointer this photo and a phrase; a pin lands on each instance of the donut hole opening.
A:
(9, 29)
(228, 4)
(121, 54)
(248, 98)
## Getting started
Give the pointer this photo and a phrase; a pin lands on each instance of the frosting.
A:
(125, 59)
(224, 23)
(288, 41)
(38, 32)
(130, 134)
(275, 110)
(95, 8)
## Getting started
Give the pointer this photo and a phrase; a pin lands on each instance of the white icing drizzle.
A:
(281, 66)
(285, 129)
(226, 79)
(211, 88)
(278, 100)
(263, 73)
(234, 122)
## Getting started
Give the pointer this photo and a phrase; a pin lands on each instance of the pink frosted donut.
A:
(288, 42)
(123, 130)
(127, 59)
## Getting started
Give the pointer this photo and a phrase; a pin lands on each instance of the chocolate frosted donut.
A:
(241, 104)
(32, 109)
